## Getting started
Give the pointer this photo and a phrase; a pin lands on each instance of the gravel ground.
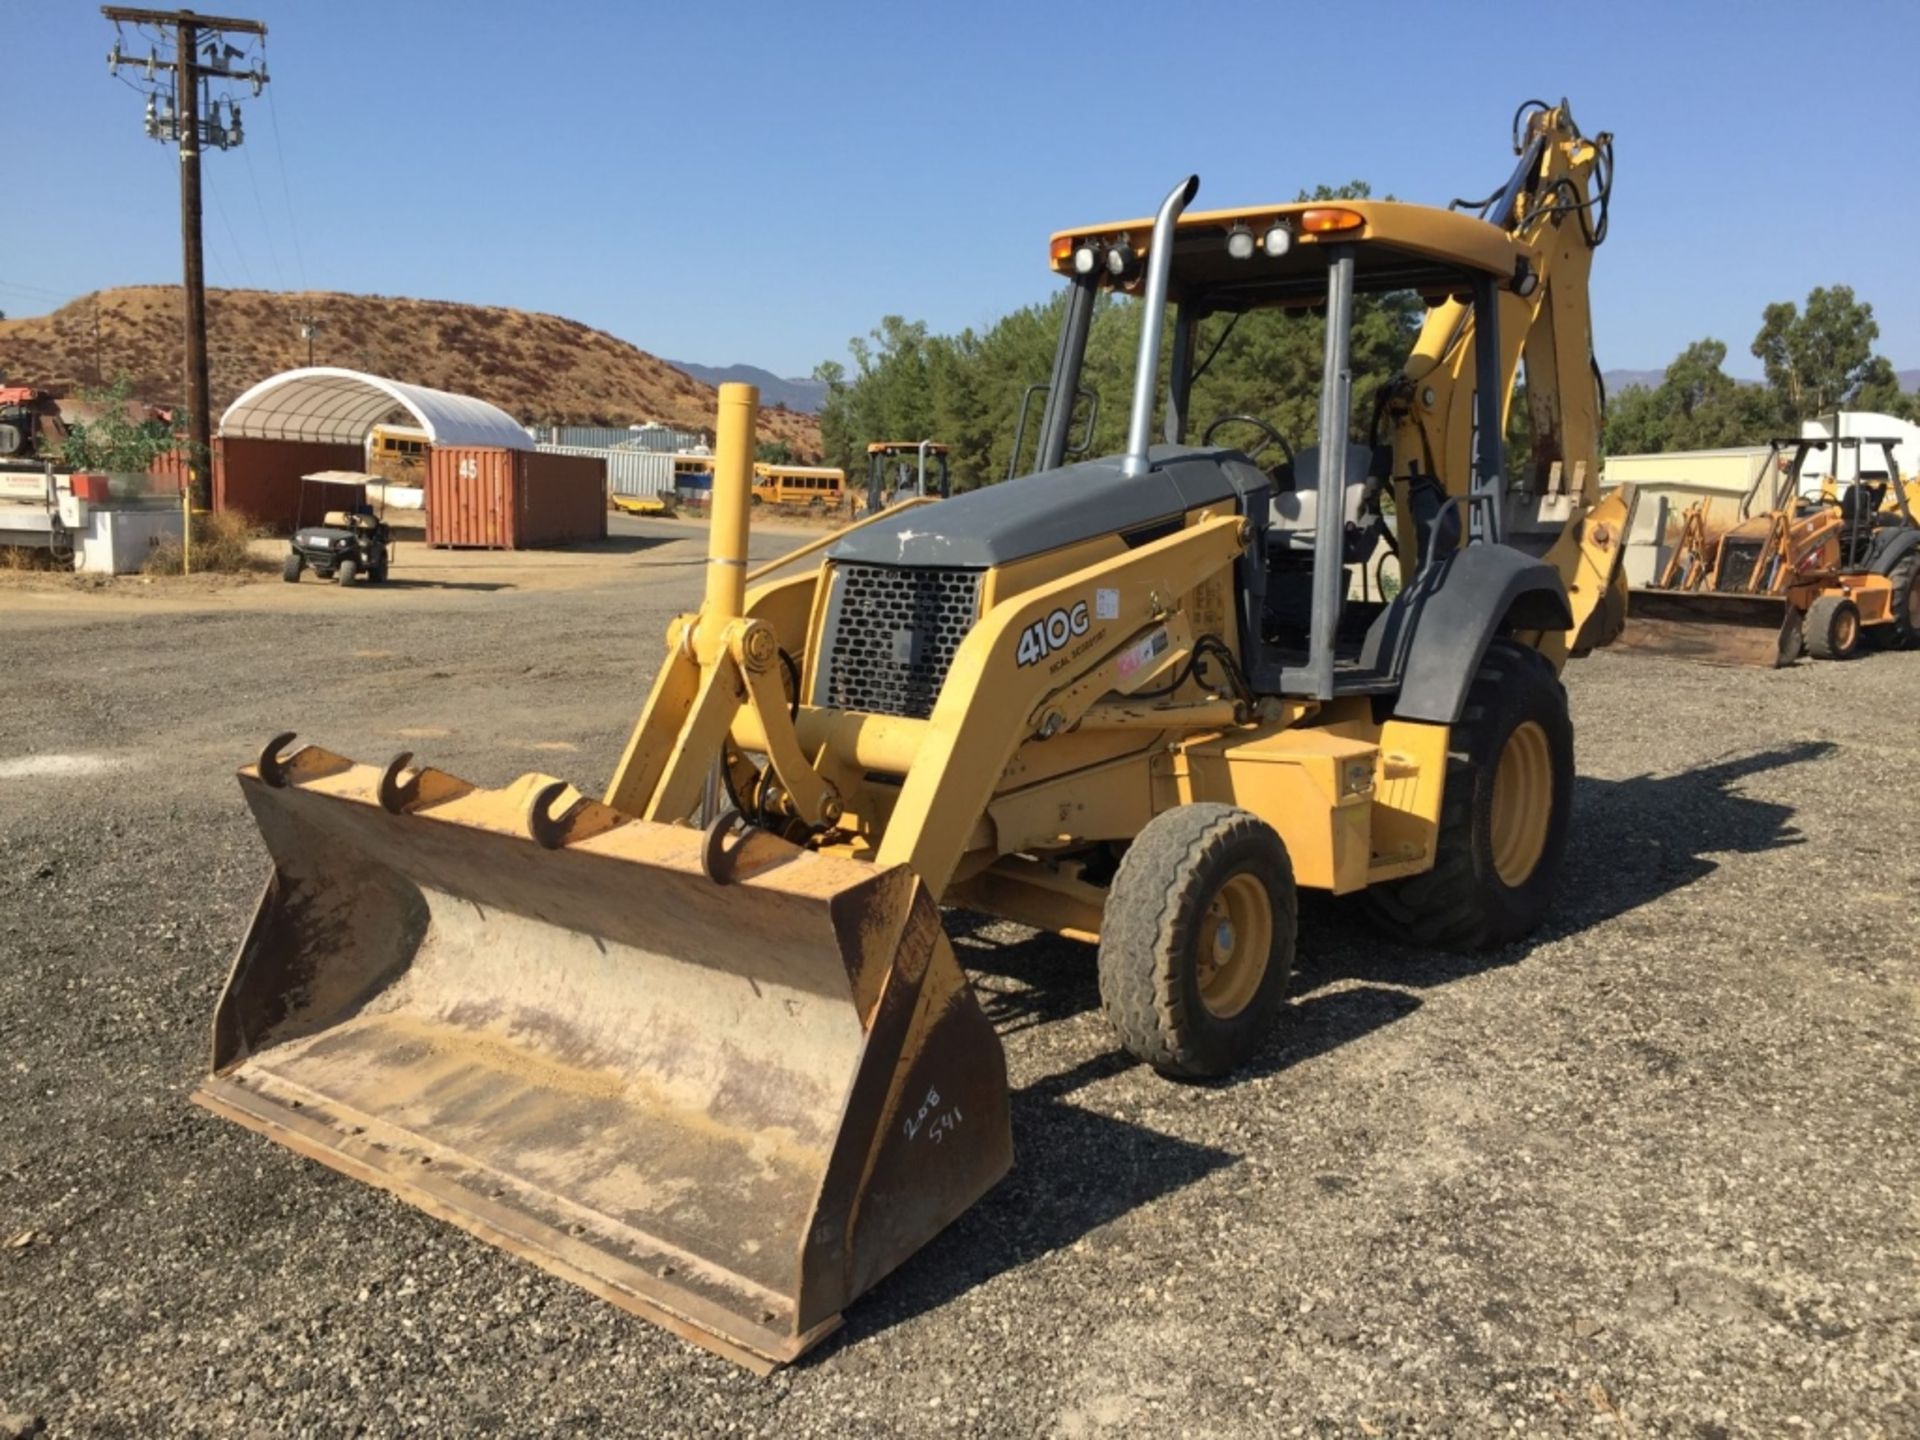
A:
(1653, 1173)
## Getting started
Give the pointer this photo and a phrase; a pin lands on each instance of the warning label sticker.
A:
(1139, 658)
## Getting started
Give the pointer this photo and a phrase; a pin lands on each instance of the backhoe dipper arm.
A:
(1555, 203)
(1544, 318)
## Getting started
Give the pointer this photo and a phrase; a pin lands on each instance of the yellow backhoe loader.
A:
(701, 1044)
(1824, 570)
(899, 470)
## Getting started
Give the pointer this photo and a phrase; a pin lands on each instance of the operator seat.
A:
(1859, 503)
(1295, 509)
(1292, 514)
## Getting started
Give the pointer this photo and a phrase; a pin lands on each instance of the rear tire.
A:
(291, 567)
(1904, 581)
(347, 572)
(1503, 814)
(1833, 628)
(1197, 943)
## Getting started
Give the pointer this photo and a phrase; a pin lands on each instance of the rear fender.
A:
(1487, 590)
(1890, 547)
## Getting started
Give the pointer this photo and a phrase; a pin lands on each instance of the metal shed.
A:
(318, 418)
(322, 403)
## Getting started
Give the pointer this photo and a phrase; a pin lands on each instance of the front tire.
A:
(1197, 943)
(1833, 628)
(347, 572)
(291, 567)
(1503, 813)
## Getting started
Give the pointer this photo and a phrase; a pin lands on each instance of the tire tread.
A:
(1148, 915)
(1442, 908)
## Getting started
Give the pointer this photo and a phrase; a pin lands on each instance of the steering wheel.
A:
(1274, 437)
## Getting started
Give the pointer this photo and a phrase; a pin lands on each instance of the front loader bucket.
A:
(727, 1107)
(1714, 627)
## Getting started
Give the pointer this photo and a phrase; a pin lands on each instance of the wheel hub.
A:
(1236, 942)
(1522, 803)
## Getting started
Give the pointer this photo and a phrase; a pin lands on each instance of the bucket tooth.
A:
(729, 1108)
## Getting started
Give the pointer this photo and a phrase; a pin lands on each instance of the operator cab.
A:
(1331, 591)
(1857, 474)
(900, 470)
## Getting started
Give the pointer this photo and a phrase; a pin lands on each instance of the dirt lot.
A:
(1654, 1173)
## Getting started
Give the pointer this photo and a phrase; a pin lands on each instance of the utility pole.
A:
(309, 327)
(192, 125)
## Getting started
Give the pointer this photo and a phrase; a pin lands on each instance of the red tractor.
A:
(30, 424)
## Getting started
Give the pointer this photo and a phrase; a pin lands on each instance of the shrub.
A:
(222, 544)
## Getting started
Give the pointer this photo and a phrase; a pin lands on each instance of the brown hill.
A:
(539, 368)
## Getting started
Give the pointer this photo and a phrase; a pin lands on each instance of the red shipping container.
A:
(494, 499)
(90, 488)
(169, 472)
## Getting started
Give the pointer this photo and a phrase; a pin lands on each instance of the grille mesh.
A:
(1736, 564)
(894, 637)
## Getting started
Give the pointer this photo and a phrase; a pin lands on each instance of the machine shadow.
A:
(622, 545)
(396, 582)
(1649, 836)
(1657, 834)
(1076, 1169)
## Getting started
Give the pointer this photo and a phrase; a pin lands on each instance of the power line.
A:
(266, 230)
(33, 289)
(246, 270)
(286, 189)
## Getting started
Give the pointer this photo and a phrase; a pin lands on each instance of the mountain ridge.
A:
(541, 369)
(801, 393)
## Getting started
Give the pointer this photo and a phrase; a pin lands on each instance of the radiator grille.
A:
(893, 635)
(1736, 565)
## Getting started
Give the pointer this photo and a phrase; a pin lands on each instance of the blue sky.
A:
(756, 182)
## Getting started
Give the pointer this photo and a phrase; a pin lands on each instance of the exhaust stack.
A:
(1146, 369)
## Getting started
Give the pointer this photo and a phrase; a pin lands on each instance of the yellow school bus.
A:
(799, 485)
(693, 478)
(398, 452)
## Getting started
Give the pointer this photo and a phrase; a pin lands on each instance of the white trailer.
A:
(40, 510)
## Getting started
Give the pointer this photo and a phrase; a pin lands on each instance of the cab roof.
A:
(1396, 246)
(881, 447)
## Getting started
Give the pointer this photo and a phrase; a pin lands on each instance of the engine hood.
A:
(1037, 513)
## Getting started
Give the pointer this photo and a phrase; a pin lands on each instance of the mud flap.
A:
(1714, 628)
(727, 1107)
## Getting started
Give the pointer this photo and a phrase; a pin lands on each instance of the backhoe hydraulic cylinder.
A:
(732, 496)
